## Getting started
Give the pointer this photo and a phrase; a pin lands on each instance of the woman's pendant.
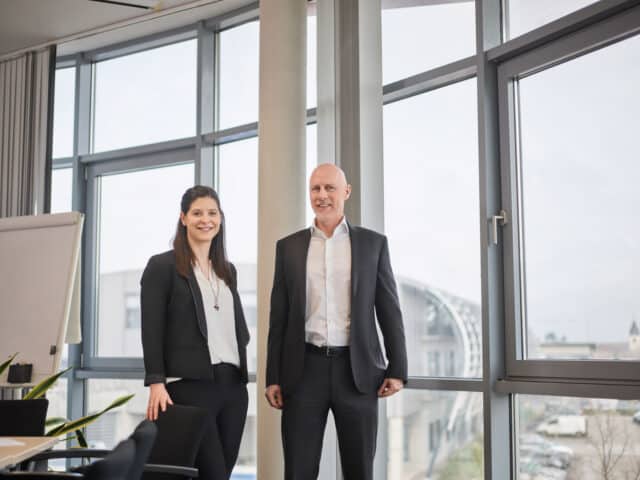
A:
(216, 307)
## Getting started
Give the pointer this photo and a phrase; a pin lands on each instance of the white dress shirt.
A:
(221, 323)
(328, 307)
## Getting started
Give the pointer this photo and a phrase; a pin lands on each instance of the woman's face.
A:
(202, 220)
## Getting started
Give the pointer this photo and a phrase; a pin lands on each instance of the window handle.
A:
(495, 220)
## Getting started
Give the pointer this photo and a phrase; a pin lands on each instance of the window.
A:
(145, 97)
(138, 212)
(238, 188)
(577, 174)
(576, 437)
(423, 421)
(63, 112)
(431, 220)
(61, 190)
(239, 79)
(521, 16)
(132, 310)
(409, 34)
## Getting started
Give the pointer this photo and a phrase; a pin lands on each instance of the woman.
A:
(194, 335)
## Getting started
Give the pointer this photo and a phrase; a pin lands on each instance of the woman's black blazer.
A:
(174, 326)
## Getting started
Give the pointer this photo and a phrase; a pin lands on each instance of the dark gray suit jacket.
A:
(372, 288)
(174, 326)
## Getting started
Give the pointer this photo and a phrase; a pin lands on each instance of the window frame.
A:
(599, 35)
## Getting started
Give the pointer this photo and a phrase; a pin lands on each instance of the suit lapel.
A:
(354, 237)
(301, 267)
(197, 300)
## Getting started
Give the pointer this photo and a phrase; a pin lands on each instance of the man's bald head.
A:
(326, 170)
(328, 190)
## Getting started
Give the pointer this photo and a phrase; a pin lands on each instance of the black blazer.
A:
(174, 326)
(372, 287)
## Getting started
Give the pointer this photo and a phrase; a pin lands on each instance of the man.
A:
(323, 348)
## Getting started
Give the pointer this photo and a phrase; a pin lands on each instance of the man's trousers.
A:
(327, 384)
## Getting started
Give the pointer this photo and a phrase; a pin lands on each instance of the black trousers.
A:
(327, 384)
(226, 401)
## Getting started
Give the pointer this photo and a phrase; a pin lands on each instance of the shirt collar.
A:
(342, 228)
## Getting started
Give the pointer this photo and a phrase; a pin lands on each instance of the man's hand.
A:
(158, 399)
(390, 386)
(273, 393)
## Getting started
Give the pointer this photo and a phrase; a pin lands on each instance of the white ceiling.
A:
(83, 24)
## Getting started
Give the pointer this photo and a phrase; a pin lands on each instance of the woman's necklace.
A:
(214, 291)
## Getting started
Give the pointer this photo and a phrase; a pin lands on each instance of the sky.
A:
(579, 154)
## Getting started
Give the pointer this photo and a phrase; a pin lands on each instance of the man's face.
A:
(328, 190)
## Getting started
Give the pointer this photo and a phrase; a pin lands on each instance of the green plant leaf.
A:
(6, 364)
(49, 422)
(82, 441)
(40, 389)
(86, 420)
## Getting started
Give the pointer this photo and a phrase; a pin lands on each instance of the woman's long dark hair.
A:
(217, 253)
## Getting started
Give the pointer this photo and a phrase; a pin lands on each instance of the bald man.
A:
(323, 349)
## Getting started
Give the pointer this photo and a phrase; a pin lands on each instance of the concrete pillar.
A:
(281, 182)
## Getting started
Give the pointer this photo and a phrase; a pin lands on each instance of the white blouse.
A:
(221, 324)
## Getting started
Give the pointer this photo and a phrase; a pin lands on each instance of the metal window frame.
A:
(617, 27)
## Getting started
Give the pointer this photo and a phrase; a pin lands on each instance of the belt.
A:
(326, 350)
(226, 374)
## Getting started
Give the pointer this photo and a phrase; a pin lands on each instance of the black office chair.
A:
(146, 437)
(180, 432)
(114, 466)
(23, 418)
(143, 437)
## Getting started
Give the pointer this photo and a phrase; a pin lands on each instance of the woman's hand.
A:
(158, 398)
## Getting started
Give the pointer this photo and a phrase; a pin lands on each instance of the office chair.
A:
(23, 418)
(146, 437)
(180, 432)
(143, 438)
(114, 466)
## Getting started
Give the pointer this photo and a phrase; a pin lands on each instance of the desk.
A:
(29, 446)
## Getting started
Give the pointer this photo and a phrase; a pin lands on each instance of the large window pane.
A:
(434, 434)
(61, 190)
(146, 97)
(63, 110)
(522, 16)
(239, 68)
(239, 79)
(137, 219)
(418, 38)
(580, 222)
(238, 188)
(431, 219)
(581, 438)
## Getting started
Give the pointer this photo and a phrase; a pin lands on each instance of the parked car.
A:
(544, 456)
(562, 455)
(564, 425)
(636, 417)
(530, 468)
